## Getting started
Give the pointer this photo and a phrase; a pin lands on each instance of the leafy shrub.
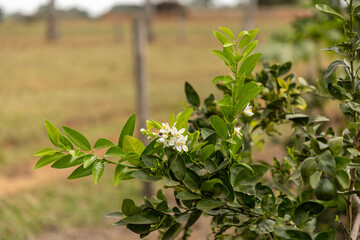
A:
(204, 153)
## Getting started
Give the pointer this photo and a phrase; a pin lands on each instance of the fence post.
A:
(52, 34)
(142, 99)
(149, 14)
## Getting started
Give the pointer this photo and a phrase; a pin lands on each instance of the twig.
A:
(356, 224)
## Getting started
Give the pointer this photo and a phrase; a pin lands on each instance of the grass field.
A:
(86, 81)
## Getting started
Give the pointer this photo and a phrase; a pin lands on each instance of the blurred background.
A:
(72, 62)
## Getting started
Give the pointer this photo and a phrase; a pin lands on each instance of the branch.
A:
(356, 224)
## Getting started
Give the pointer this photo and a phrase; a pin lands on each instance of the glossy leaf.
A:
(97, 171)
(208, 204)
(81, 172)
(191, 95)
(220, 126)
(328, 10)
(128, 129)
(77, 138)
(132, 145)
(103, 143)
(120, 172)
(47, 159)
(249, 64)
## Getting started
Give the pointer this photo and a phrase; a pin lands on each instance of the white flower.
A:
(180, 144)
(237, 131)
(248, 110)
(165, 128)
(142, 130)
(162, 141)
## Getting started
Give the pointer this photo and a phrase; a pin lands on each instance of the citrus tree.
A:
(204, 153)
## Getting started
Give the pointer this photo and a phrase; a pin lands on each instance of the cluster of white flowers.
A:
(169, 137)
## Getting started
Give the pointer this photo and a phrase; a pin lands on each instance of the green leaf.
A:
(177, 166)
(249, 49)
(97, 171)
(171, 119)
(183, 118)
(221, 37)
(103, 143)
(285, 68)
(187, 196)
(247, 37)
(246, 96)
(228, 32)
(228, 79)
(246, 177)
(129, 208)
(308, 167)
(47, 159)
(285, 207)
(307, 211)
(115, 151)
(128, 129)
(334, 49)
(341, 162)
(327, 163)
(354, 152)
(66, 162)
(80, 172)
(77, 138)
(329, 235)
(246, 199)
(171, 232)
(53, 133)
(249, 64)
(191, 95)
(208, 204)
(89, 160)
(335, 145)
(221, 55)
(335, 91)
(119, 174)
(206, 132)
(290, 233)
(225, 101)
(132, 145)
(206, 152)
(301, 119)
(315, 179)
(44, 152)
(217, 79)
(192, 180)
(169, 182)
(332, 68)
(328, 10)
(343, 178)
(220, 126)
(145, 175)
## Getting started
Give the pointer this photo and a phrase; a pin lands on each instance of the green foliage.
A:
(204, 153)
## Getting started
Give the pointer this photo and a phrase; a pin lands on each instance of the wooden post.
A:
(149, 13)
(250, 14)
(142, 99)
(52, 33)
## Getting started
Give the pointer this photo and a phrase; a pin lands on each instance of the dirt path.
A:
(29, 178)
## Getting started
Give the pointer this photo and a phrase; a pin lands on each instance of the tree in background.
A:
(202, 3)
(52, 34)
